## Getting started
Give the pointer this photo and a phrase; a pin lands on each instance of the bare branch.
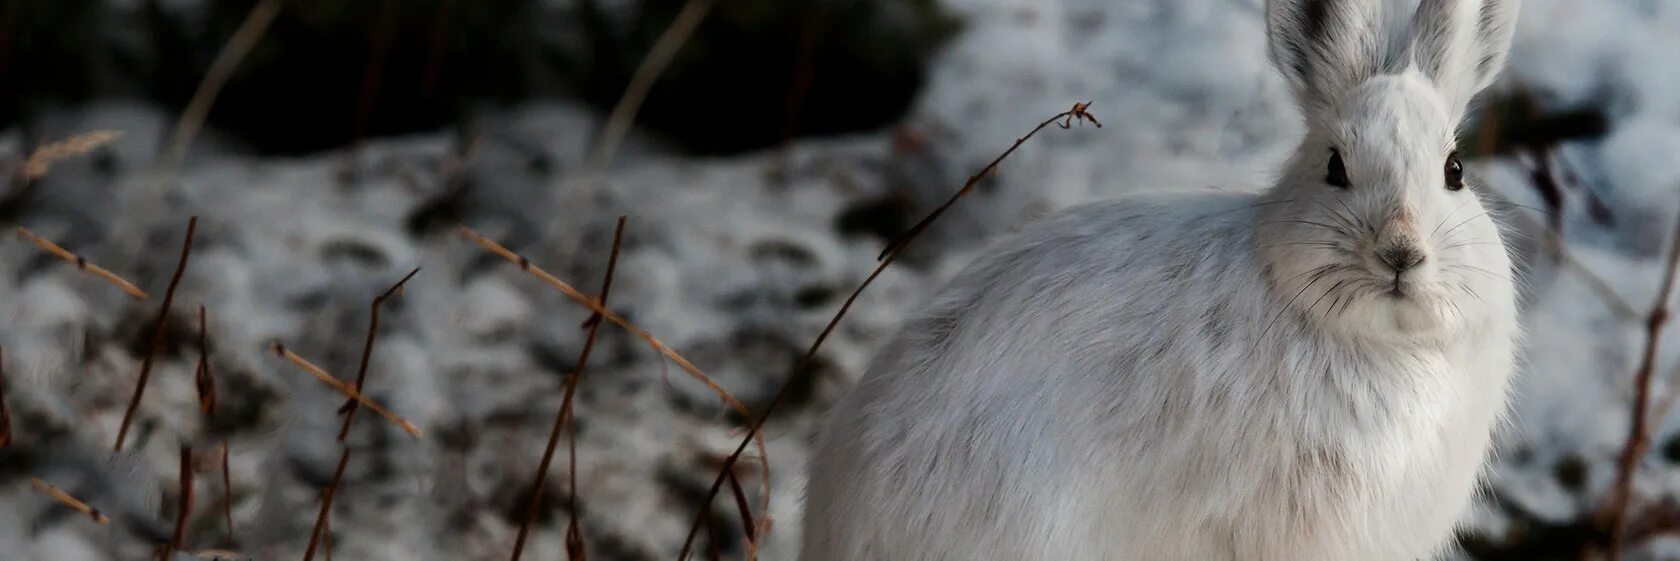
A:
(43, 158)
(349, 408)
(1067, 118)
(158, 332)
(70, 501)
(1639, 437)
(81, 262)
(322, 375)
(562, 420)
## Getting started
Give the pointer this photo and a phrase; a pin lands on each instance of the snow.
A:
(738, 263)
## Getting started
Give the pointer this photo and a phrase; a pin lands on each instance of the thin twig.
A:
(43, 158)
(5, 415)
(1077, 113)
(657, 60)
(562, 418)
(1067, 117)
(322, 375)
(183, 507)
(629, 104)
(202, 378)
(587, 302)
(81, 262)
(1639, 437)
(221, 69)
(326, 505)
(206, 383)
(158, 332)
(747, 525)
(349, 407)
(70, 501)
(227, 493)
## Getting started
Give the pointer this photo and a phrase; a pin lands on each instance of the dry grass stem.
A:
(1639, 436)
(80, 262)
(562, 420)
(203, 381)
(70, 501)
(322, 375)
(227, 494)
(349, 407)
(183, 507)
(221, 69)
(658, 346)
(641, 82)
(158, 333)
(316, 535)
(43, 158)
(5, 415)
(1066, 119)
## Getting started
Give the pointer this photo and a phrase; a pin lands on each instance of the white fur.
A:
(1210, 376)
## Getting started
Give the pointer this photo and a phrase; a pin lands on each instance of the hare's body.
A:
(1122, 404)
(1309, 374)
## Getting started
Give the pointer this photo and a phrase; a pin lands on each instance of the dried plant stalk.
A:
(5, 416)
(1639, 434)
(322, 375)
(183, 508)
(349, 407)
(562, 419)
(157, 335)
(1065, 119)
(658, 346)
(43, 158)
(80, 262)
(318, 533)
(70, 501)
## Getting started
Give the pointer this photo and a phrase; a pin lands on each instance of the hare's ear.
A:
(1325, 47)
(1461, 44)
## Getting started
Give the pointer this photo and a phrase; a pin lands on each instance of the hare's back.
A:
(1021, 363)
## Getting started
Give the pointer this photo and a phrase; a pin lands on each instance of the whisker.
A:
(1309, 223)
(1320, 276)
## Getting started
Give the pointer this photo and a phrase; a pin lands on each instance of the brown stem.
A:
(1078, 112)
(5, 416)
(326, 505)
(343, 388)
(81, 262)
(158, 332)
(205, 382)
(183, 508)
(349, 407)
(70, 501)
(562, 421)
(227, 493)
(1639, 437)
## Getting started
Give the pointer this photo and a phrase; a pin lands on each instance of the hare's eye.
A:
(1455, 172)
(1338, 171)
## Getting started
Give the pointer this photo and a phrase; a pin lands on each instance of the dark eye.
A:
(1455, 172)
(1338, 171)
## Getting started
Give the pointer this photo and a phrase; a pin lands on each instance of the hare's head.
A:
(1372, 228)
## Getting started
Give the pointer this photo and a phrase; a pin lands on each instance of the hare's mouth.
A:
(1400, 288)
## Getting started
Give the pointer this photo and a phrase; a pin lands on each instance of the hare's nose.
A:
(1400, 258)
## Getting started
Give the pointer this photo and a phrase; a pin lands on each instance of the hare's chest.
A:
(1395, 458)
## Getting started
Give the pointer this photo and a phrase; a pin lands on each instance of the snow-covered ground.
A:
(737, 263)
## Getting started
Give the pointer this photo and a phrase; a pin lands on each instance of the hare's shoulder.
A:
(1144, 259)
(1138, 237)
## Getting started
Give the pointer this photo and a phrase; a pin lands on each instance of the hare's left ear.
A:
(1461, 44)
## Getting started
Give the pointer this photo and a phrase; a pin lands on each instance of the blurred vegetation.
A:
(329, 72)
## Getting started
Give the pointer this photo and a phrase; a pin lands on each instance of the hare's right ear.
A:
(1325, 47)
(1461, 44)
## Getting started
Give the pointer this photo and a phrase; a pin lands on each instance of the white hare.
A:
(1308, 374)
